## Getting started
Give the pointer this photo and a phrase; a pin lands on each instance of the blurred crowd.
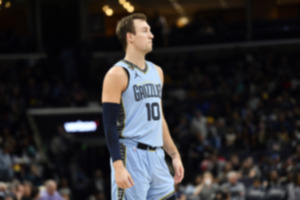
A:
(234, 118)
(25, 168)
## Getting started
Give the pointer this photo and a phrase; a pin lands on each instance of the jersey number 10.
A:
(153, 111)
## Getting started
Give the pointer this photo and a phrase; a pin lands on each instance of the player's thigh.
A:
(135, 164)
(162, 185)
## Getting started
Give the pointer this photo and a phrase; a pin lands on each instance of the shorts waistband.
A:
(138, 145)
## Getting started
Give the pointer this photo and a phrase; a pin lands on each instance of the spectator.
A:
(190, 188)
(27, 190)
(214, 163)
(235, 162)
(207, 189)
(256, 191)
(50, 191)
(296, 158)
(34, 174)
(65, 190)
(35, 194)
(6, 163)
(60, 148)
(230, 140)
(198, 124)
(222, 176)
(18, 190)
(276, 190)
(294, 188)
(3, 189)
(235, 189)
(249, 171)
(98, 183)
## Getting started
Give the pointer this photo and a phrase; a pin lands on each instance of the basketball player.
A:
(135, 129)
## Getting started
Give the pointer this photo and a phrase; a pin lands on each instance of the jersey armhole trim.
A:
(128, 76)
(155, 68)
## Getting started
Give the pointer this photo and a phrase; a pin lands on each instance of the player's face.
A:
(142, 39)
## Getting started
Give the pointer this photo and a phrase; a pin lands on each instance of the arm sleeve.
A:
(110, 117)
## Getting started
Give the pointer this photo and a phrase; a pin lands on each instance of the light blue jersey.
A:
(140, 122)
(140, 117)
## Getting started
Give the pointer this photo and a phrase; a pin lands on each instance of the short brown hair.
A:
(125, 25)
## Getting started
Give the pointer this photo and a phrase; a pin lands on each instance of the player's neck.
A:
(136, 59)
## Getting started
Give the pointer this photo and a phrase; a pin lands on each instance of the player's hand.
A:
(178, 168)
(122, 176)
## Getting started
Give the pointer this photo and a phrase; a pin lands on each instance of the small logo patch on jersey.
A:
(136, 75)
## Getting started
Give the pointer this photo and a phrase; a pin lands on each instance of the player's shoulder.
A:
(159, 70)
(116, 69)
(116, 72)
(157, 67)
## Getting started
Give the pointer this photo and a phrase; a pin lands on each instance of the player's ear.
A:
(129, 37)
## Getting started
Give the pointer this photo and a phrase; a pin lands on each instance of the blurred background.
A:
(231, 94)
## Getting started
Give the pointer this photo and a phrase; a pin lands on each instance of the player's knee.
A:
(171, 197)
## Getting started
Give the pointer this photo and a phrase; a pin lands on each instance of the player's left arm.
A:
(169, 145)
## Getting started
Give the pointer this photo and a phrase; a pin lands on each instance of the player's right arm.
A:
(114, 83)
